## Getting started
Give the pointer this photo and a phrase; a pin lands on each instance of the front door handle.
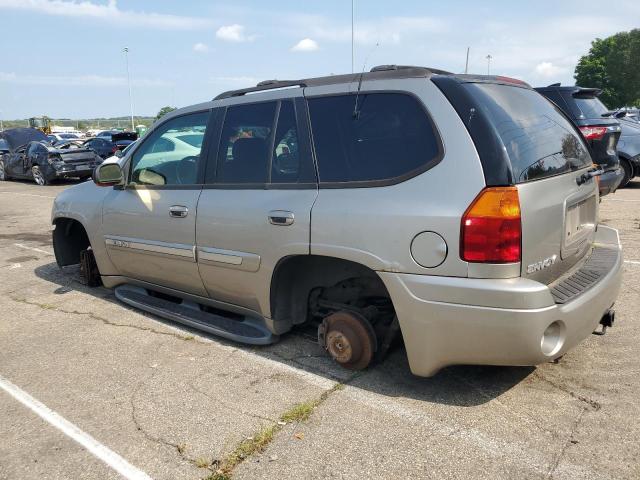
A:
(281, 217)
(178, 211)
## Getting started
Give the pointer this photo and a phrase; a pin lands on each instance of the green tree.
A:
(613, 64)
(164, 111)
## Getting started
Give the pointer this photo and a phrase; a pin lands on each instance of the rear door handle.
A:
(178, 211)
(281, 217)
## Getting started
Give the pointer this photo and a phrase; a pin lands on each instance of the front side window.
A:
(371, 137)
(165, 159)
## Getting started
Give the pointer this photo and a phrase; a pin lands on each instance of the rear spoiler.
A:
(586, 92)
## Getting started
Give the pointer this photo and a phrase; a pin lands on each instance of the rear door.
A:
(149, 225)
(255, 208)
(549, 164)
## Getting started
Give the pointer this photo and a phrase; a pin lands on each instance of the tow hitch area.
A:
(606, 321)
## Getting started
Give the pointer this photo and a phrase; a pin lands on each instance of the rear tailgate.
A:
(548, 160)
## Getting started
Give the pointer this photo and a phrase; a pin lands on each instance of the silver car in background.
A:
(457, 212)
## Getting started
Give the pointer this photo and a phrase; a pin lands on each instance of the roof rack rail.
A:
(385, 68)
(261, 86)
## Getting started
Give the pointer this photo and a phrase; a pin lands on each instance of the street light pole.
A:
(126, 56)
(489, 57)
(352, 51)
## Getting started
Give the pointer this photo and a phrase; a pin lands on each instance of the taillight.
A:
(491, 231)
(593, 133)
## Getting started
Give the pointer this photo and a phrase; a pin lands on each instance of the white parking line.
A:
(19, 245)
(109, 457)
(632, 262)
(28, 194)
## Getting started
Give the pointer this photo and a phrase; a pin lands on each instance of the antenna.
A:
(356, 112)
(466, 64)
(352, 50)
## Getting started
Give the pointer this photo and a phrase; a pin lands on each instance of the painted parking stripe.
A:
(109, 457)
(632, 262)
(34, 249)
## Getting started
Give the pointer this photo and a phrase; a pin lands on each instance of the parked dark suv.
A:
(600, 130)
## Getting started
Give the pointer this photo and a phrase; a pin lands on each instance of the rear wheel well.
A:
(305, 286)
(69, 239)
(632, 170)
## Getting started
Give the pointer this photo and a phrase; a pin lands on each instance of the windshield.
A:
(590, 107)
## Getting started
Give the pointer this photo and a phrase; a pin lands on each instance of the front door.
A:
(149, 225)
(255, 208)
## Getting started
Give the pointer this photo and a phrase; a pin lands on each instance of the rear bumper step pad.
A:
(599, 263)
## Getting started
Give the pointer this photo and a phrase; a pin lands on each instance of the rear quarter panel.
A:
(376, 225)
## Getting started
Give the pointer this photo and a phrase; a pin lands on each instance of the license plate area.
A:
(579, 226)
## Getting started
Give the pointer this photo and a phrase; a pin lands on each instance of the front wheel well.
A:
(69, 239)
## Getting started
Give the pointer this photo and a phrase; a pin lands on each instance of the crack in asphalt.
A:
(179, 449)
(591, 403)
(567, 443)
(44, 306)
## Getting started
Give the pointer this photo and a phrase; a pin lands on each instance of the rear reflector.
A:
(593, 133)
(491, 231)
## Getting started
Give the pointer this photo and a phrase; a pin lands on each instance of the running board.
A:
(248, 330)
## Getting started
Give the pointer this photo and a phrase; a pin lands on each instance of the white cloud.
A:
(79, 80)
(107, 12)
(233, 33)
(549, 70)
(200, 48)
(305, 45)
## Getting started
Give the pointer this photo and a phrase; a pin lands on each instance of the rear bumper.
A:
(71, 171)
(447, 321)
(610, 180)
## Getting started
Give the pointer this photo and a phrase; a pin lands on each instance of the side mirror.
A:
(108, 175)
(118, 153)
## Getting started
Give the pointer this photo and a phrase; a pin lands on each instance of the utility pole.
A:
(1, 126)
(126, 56)
(352, 50)
(466, 64)
(489, 57)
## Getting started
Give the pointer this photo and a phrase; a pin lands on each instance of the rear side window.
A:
(539, 141)
(381, 138)
(243, 156)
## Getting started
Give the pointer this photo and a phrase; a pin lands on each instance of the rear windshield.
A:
(590, 107)
(540, 142)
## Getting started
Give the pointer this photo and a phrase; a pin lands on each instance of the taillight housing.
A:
(491, 230)
(590, 132)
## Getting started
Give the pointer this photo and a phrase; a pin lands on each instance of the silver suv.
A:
(457, 212)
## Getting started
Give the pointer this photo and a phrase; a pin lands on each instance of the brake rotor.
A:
(348, 338)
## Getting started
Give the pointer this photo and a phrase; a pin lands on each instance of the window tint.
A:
(540, 142)
(155, 163)
(243, 156)
(387, 136)
(285, 163)
(3, 144)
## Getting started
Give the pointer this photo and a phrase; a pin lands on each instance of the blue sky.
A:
(64, 58)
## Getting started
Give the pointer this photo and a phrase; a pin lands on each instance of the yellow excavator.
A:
(41, 123)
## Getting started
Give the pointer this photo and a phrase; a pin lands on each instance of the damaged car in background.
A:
(31, 156)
